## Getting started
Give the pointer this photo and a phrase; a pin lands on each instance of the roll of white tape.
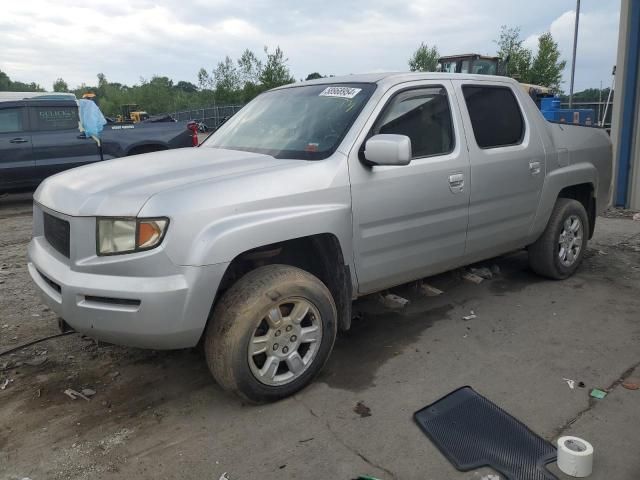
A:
(575, 456)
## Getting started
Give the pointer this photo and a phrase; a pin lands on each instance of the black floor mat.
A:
(472, 432)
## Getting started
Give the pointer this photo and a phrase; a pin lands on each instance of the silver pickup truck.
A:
(314, 194)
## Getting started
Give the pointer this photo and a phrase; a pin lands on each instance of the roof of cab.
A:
(393, 78)
(18, 96)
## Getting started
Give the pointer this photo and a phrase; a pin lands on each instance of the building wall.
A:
(626, 140)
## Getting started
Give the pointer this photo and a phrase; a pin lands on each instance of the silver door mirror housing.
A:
(388, 149)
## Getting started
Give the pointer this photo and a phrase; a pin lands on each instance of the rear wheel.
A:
(560, 249)
(271, 333)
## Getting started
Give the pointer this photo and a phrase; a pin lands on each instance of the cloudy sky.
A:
(41, 40)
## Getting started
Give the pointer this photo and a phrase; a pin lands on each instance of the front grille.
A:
(57, 233)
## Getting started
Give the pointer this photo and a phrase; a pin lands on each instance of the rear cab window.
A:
(53, 118)
(495, 114)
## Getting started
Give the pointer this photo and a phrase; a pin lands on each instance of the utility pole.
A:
(575, 46)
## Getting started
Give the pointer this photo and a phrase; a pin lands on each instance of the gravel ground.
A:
(159, 414)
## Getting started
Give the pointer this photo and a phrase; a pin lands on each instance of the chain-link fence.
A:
(212, 117)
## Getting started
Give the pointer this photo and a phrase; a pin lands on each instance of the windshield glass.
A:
(301, 122)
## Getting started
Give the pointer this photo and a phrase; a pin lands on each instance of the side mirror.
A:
(388, 149)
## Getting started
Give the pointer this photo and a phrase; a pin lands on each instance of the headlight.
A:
(126, 235)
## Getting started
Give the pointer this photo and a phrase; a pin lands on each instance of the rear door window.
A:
(424, 116)
(54, 118)
(10, 120)
(495, 115)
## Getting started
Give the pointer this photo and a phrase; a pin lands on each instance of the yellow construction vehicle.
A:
(131, 113)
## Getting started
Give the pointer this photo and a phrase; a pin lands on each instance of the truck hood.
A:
(121, 187)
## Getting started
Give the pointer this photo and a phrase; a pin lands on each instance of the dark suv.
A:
(40, 137)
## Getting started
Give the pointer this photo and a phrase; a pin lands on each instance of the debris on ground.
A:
(636, 216)
(472, 278)
(36, 361)
(571, 383)
(366, 477)
(480, 476)
(620, 213)
(6, 383)
(483, 272)
(631, 384)
(471, 316)
(224, 476)
(429, 290)
(393, 301)
(495, 269)
(597, 393)
(362, 410)
(73, 394)
(88, 392)
(581, 384)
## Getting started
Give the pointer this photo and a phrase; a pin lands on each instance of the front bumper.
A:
(119, 304)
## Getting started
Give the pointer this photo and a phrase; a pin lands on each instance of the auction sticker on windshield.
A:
(342, 92)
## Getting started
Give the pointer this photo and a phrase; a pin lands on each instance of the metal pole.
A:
(575, 46)
(599, 101)
(606, 107)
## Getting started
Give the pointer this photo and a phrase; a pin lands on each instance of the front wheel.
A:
(560, 249)
(271, 333)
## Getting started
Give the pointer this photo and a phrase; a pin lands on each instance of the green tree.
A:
(249, 67)
(5, 81)
(313, 76)
(275, 72)
(546, 67)
(512, 51)
(186, 87)
(424, 59)
(204, 79)
(227, 80)
(8, 85)
(60, 86)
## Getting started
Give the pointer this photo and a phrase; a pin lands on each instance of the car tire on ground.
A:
(271, 333)
(560, 249)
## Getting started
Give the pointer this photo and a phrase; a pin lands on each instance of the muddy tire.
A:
(271, 333)
(560, 249)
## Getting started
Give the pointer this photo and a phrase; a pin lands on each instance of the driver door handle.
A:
(19, 140)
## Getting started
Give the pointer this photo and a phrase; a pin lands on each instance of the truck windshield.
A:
(306, 123)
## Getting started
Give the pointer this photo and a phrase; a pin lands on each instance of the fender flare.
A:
(554, 182)
(225, 238)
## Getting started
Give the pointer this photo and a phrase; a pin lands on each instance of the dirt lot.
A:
(159, 415)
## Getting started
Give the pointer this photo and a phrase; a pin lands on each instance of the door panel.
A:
(57, 142)
(410, 221)
(16, 160)
(506, 180)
